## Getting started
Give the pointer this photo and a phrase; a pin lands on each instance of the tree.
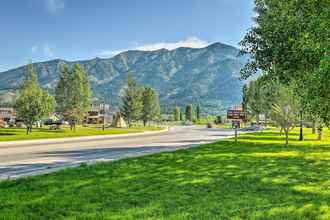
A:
(290, 42)
(285, 110)
(177, 114)
(255, 99)
(73, 94)
(189, 112)
(131, 107)
(181, 115)
(198, 112)
(245, 97)
(151, 107)
(33, 103)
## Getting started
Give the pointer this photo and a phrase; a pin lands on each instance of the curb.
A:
(82, 138)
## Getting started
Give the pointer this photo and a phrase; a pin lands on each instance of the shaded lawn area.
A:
(14, 134)
(256, 179)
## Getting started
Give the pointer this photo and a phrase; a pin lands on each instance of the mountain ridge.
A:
(208, 76)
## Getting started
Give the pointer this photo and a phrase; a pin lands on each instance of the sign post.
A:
(236, 115)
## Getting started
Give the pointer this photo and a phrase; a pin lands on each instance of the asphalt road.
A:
(35, 157)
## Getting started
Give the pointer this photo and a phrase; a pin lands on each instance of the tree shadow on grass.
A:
(215, 181)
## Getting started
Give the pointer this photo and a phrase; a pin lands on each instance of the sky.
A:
(40, 30)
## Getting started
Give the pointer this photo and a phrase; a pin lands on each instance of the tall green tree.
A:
(181, 115)
(132, 104)
(189, 112)
(245, 97)
(290, 42)
(177, 114)
(151, 107)
(33, 103)
(198, 112)
(285, 110)
(73, 94)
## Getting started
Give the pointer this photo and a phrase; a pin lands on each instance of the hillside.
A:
(208, 76)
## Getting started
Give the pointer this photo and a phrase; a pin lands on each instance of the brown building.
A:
(7, 115)
(100, 112)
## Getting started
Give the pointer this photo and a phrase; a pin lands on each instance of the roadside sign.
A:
(236, 114)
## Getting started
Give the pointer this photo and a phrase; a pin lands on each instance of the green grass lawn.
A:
(14, 134)
(256, 179)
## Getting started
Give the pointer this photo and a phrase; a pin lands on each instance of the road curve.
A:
(35, 157)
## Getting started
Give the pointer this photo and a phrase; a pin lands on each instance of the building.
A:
(100, 112)
(7, 116)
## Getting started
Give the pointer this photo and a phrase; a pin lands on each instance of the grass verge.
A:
(257, 178)
(15, 134)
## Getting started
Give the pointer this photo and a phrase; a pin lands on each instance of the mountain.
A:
(208, 76)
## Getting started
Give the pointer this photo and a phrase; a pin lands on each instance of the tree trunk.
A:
(320, 132)
(313, 127)
(286, 130)
(27, 130)
(301, 134)
(144, 123)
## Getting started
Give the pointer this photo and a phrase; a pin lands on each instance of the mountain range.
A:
(206, 76)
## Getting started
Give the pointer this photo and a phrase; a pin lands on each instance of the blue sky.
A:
(41, 30)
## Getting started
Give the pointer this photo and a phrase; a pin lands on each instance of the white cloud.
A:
(54, 6)
(48, 52)
(110, 53)
(42, 50)
(192, 42)
(35, 48)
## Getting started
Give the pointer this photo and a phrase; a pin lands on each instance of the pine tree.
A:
(189, 112)
(73, 94)
(198, 112)
(151, 107)
(33, 103)
(177, 114)
(131, 107)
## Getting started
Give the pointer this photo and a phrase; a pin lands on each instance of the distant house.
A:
(7, 116)
(100, 112)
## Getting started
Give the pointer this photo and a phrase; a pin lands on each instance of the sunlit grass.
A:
(258, 178)
(11, 134)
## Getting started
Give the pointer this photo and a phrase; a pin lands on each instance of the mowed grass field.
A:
(14, 134)
(258, 178)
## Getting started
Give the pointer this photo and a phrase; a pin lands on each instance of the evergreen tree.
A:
(33, 103)
(177, 114)
(131, 107)
(151, 107)
(73, 94)
(245, 97)
(189, 112)
(198, 112)
(181, 115)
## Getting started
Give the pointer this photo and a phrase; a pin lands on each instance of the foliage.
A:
(198, 112)
(132, 105)
(73, 94)
(151, 107)
(189, 112)
(290, 42)
(177, 114)
(285, 110)
(218, 119)
(33, 103)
